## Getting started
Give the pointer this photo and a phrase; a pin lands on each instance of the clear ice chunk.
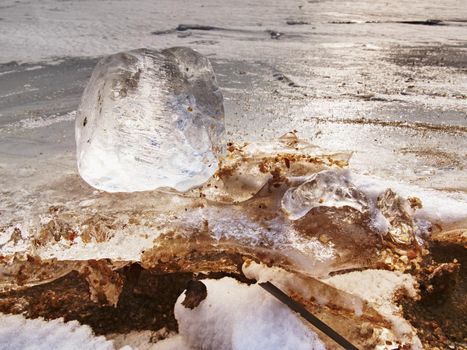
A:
(330, 188)
(150, 119)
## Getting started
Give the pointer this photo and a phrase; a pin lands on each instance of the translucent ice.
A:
(330, 188)
(150, 119)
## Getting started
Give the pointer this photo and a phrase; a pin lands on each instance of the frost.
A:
(150, 119)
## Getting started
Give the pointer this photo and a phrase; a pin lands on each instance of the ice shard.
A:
(329, 188)
(150, 119)
(399, 215)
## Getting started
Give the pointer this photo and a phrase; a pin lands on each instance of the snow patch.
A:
(17, 332)
(236, 316)
(148, 340)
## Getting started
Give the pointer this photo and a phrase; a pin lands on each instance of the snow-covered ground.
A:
(16, 332)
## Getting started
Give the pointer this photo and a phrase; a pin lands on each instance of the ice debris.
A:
(389, 214)
(150, 119)
(329, 188)
(398, 213)
(248, 167)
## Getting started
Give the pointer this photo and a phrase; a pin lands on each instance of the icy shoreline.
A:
(380, 80)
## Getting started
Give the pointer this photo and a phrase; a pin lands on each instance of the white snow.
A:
(237, 316)
(19, 333)
(375, 286)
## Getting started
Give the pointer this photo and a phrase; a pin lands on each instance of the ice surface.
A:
(17, 332)
(438, 206)
(236, 316)
(330, 188)
(150, 119)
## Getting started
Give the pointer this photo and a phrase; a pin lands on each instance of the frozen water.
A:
(150, 119)
(330, 188)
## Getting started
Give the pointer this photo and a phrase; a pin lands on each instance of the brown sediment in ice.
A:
(149, 291)
(422, 126)
(148, 294)
(75, 266)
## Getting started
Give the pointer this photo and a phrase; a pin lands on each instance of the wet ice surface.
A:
(327, 189)
(395, 101)
(150, 119)
(81, 223)
(339, 84)
(347, 78)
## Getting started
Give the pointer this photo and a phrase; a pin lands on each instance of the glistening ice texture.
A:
(150, 119)
(235, 316)
(329, 188)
